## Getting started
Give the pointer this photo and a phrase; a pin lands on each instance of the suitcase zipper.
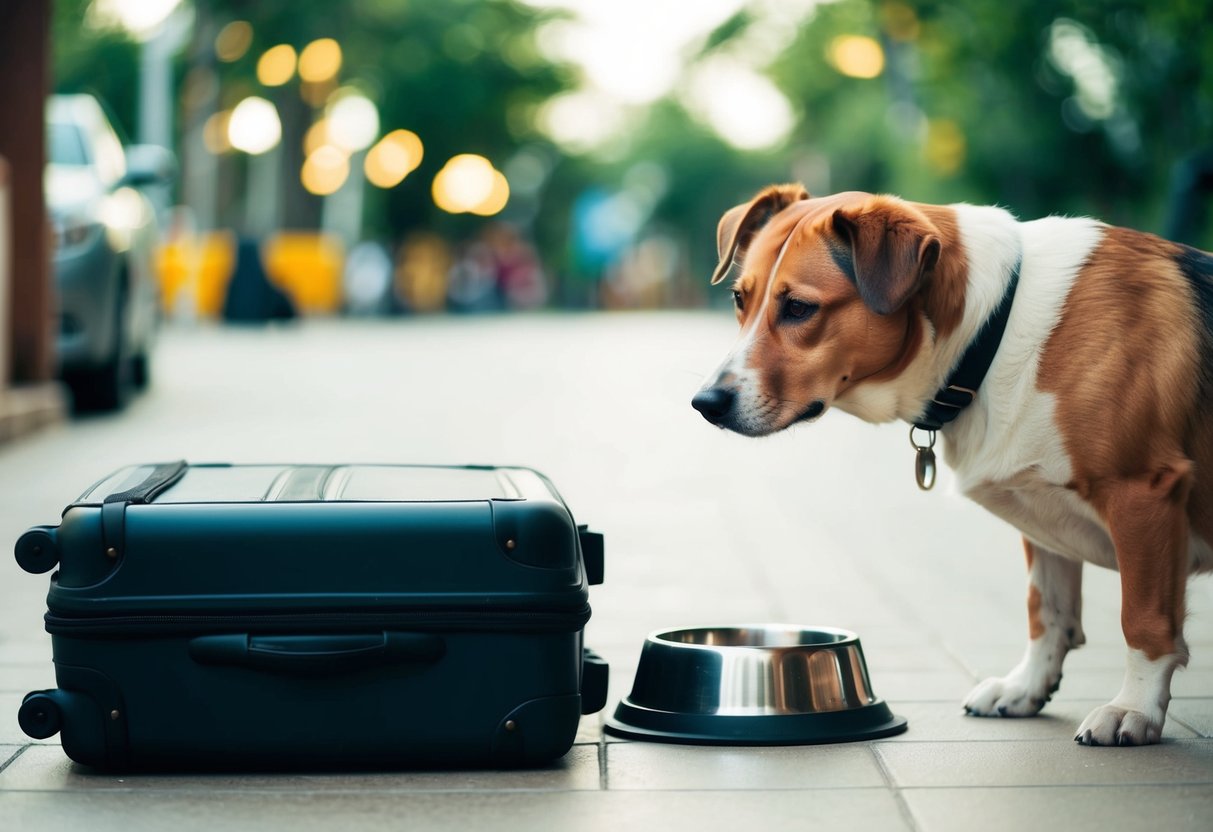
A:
(427, 620)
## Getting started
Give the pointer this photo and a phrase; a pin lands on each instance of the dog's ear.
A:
(887, 248)
(740, 223)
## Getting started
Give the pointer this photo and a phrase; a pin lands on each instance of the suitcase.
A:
(276, 616)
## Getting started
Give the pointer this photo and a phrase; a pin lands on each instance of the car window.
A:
(65, 145)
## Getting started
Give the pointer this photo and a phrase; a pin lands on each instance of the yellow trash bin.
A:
(306, 265)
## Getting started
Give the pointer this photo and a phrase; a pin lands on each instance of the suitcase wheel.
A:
(39, 715)
(37, 551)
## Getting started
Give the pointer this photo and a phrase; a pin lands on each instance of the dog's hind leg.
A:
(1149, 525)
(1054, 628)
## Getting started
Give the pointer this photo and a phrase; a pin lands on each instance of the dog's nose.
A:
(714, 403)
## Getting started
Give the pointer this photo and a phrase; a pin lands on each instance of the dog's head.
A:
(824, 296)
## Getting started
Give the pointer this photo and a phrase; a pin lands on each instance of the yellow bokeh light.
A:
(858, 56)
(900, 21)
(233, 41)
(469, 183)
(465, 181)
(945, 147)
(497, 198)
(316, 137)
(394, 157)
(277, 65)
(386, 165)
(410, 143)
(214, 132)
(325, 170)
(320, 60)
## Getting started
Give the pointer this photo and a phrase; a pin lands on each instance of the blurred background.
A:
(400, 157)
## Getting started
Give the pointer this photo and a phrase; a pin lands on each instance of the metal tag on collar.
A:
(924, 464)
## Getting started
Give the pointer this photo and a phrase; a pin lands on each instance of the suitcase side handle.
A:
(316, 654)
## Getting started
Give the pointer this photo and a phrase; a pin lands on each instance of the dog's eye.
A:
(737, 301)
(798, 310)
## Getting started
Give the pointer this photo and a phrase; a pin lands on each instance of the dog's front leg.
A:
(1054, 628)
(1149, 525)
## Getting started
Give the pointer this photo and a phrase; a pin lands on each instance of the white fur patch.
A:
(1136, 715)
(1005, 448)
(752, 404)
(1030, 684)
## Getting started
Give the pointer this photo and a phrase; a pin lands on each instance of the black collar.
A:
(962, 385)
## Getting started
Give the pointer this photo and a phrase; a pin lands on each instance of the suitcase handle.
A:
(160, 478)
(316, 654)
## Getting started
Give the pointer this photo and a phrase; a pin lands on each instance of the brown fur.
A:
(1126, 396)
(739, 224)
(944, 293)
(847, 342)
(1036, 625)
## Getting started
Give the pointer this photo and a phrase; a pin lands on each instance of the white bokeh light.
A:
(629, 57)
(634, 56)
(139, 17)
(254, 126)
(353, 120)
(580, 121)
(741, 105)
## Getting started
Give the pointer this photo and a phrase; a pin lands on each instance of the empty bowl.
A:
(760, 684)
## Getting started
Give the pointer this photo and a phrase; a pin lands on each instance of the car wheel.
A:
(103, 388)
(141, 370)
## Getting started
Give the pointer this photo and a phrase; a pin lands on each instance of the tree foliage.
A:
(1075, 106)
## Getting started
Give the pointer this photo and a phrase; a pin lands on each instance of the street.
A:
(820, 525)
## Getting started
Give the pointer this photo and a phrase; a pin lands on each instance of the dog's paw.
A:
(1006, 696)
(1112, 725)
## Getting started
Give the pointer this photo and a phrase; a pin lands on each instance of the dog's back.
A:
(1130, 365)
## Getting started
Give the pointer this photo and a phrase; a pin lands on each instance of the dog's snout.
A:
(715, 403)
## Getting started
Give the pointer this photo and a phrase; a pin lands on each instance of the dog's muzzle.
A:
(715, 404)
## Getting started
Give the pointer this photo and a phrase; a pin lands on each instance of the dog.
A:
(1089, 429)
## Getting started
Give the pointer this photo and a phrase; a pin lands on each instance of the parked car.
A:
(105, 233)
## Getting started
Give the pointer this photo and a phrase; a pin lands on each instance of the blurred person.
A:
(251, 297)
(423, 263)
(472, 284)
(642, 275)
(521, 283)
(367, 279)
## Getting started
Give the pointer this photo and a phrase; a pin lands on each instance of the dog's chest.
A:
(1017, 468)
(1049, 515)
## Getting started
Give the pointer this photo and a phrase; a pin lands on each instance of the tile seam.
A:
(1199, 734)
(903, 808)
(13, 758)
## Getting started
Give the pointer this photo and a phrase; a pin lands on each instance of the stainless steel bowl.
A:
(759, 684)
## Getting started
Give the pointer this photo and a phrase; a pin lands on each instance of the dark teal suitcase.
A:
(271, 616)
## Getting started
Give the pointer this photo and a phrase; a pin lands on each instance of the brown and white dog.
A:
(1092, 432)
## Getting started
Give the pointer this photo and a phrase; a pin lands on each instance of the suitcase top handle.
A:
(161, 477)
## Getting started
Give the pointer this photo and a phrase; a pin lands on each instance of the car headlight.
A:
(74, 232)
(123, 212)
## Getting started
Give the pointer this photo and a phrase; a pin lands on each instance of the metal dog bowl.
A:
(760, 684)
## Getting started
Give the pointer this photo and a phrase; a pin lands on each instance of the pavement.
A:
(820, 525)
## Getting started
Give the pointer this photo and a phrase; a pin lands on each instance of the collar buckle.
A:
(954, 396)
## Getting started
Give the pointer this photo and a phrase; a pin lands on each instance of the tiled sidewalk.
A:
(821, 526)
